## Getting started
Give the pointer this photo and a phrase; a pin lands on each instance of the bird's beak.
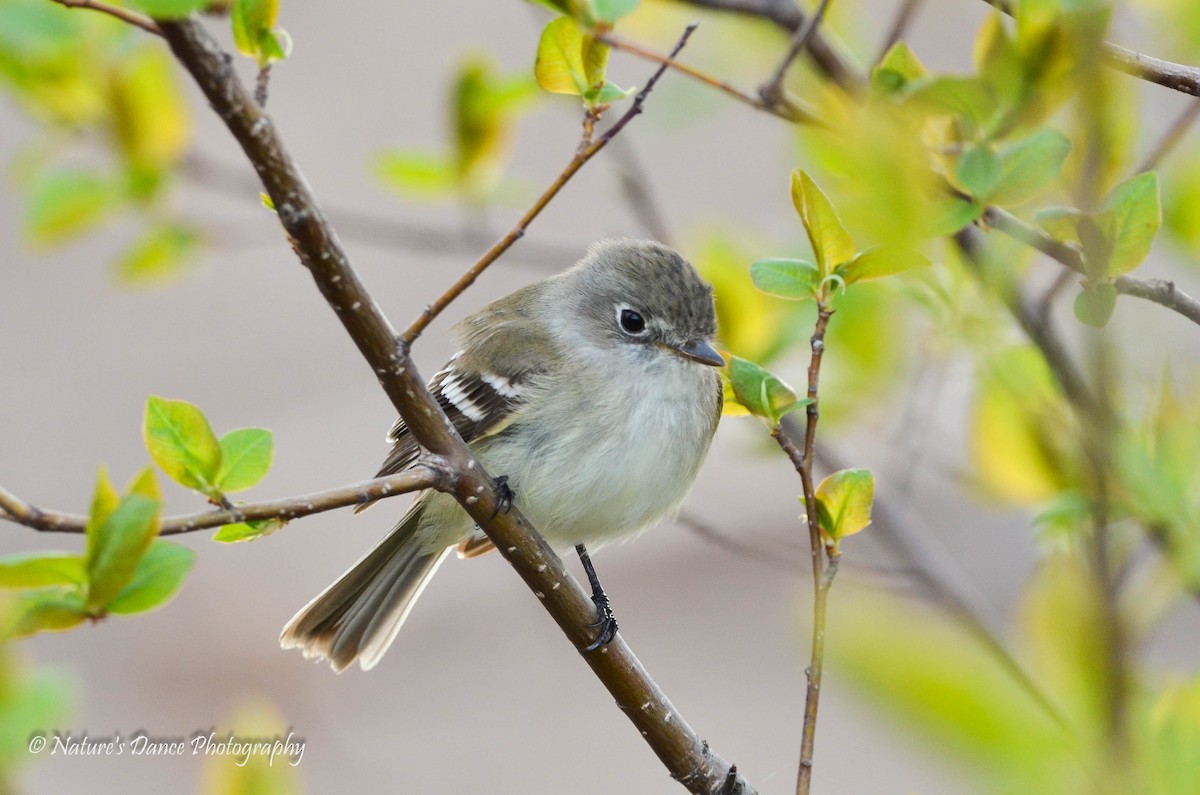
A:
(698, 351)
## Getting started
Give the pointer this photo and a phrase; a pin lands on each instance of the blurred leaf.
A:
(1018, 431)
(45, 610)
(420, 173)
(169, 9)
(122, 540)
(251, 19)
(150, 116)
(1061, 223)
(881, 261)
(145, 484)
(830, 242)
(63, 204)
(105, 500)
(1181, 202)
(953, 213)
(1131, 222)
(1029, 167)
(937, 681)
(1095, 303)
(965, 97)
(844, 501)
(897, 70)
(41, 569)
(258, 773)
(182, 443)
(786, 278)
(978, 171)
(159, 254)
(246, 456)
(247, 531)
(611, 10)
(31, 700)
(1172, 739)
(761, 392)
(484, 109)
(159, 574)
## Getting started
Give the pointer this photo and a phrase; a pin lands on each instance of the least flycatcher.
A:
(594, 394)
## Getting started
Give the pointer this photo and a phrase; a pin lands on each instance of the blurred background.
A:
(481, 693)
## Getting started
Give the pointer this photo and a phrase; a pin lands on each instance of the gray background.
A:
(480, 693)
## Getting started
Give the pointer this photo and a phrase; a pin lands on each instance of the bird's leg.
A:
(506, 497)
(605, 620)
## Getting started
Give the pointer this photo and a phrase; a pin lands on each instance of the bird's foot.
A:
(505, 503)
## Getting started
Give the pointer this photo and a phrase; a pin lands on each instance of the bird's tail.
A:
(358, 616)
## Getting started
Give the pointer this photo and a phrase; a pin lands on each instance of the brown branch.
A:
(772, 92)
(681, 750)
(1171, 137)
(824, 559)
(791, 112)
(123, 14)
(1165, 73)
(587, 150)
(420, 477)
(1160, 291)
(787, 16)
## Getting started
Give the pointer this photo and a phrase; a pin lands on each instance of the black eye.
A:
(632, 322)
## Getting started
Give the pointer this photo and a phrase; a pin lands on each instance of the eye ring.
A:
(630, 321)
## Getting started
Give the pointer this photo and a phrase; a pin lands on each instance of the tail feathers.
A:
(357, 617)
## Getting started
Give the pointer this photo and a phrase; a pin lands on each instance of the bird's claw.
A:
(605, 621)
(505, 503)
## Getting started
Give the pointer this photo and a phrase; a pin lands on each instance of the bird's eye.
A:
(631, 322)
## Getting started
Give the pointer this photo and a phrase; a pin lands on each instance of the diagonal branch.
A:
(419, 477)
(681, 750)
(123, 14)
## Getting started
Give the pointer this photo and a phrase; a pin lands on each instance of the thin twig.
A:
(686, 756)
(824, 559)
(793, 113)
(772, 92)
(1171, 137)
(414, 479)
(123, 14)
(582, 156)
(262, 84)
(646, 210)
(904, 17)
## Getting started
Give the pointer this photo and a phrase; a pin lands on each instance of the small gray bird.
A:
(594, 394)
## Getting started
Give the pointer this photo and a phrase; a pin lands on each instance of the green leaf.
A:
(1136, 217)
(159, 574)
(416, 173)
(881, 261)
(796, 279)
(273, 45)
(761, 392)
(830, 242)
(245, 458)
(122, 540)
(611, 10)
(844, 501)
(1028, 167)
(978, 171)
(898, 68)
(66, 203)
(45, 610)
(247, 531)
(169, 9)
(41, 569)
(182, 443)
(608, 93)
(145, 484)
(251, 19)
(953, 213)
(158, 255)
(1061, 223)
(1095, 304)
(966, 97)
(105, 500)
(559, 67)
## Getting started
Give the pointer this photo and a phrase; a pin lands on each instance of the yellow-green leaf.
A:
(898, 68)
(150, 115)
(159, 574)
(158, 255)
(250, 19)
(120, 543)
(41, 569)
(64, 204)
(247, 531)
(1028, 167)
(786, 278)
(844, 501)
(1133, 218)
(182, 443)
(831, 244)
(881, 261)
(45, 610)
(245, 458)
(559, 67)
(762, 393)
(104, 501)
(169, 9)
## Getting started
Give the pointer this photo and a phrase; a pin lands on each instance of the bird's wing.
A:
(502, 367)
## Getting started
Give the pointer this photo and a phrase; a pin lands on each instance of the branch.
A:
(790, 111)
(421, 476)
(1172, 137)
(824, 559)
(1160, 291)
(904, 17)
(586, 151)
(1166, 73)
(668, 734)
(772, 91)
(787, 16)
(123, 14)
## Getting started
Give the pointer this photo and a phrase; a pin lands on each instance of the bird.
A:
(594, 394)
